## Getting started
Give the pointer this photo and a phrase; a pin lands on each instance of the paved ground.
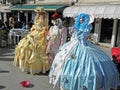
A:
(10, 76)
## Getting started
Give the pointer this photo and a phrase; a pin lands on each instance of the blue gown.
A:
(80, 65)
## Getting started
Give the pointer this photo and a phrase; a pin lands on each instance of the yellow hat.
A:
(40, 9)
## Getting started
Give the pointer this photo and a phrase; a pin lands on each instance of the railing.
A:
(15, 35)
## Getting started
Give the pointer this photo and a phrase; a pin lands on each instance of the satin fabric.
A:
(30, 53)
(80, 65)
(77, 66)
(56, 38)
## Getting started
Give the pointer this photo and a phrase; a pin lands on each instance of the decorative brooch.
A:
(73, 56)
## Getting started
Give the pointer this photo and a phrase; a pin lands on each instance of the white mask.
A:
(55, 30)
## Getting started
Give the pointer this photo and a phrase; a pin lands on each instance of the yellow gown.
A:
(30, 53)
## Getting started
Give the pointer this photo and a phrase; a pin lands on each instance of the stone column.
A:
(5, 16)
(33, 16)
(114, 32)
(0, 16)
(97, 30)
(26, 14)
(18, 16)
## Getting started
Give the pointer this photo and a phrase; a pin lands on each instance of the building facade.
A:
(106, 12)
(107, 18)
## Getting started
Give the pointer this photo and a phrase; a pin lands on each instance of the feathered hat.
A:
(55, 16)
(40, 9)
(87, 20)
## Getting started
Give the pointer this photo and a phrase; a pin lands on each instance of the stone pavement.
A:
(11, 76)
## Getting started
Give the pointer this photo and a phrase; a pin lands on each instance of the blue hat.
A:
(85, 18)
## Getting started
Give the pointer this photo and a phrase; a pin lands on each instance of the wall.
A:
(99, 1)
(65, 1)
(14, 2)
(48, 1)
(40, 1)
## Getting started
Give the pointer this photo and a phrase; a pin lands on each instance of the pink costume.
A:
(56, 37)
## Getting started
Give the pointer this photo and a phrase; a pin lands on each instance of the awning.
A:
(5, 9)
(98, 11)
(60, 10)
(32, 7)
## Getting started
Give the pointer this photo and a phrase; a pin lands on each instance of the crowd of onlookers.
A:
(12, 23)
(19, 24)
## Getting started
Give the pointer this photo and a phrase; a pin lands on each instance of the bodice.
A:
(39, 22)
(82, 34)
(82, 28)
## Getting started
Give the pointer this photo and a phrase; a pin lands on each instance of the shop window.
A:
(117, 42)
(3, 1)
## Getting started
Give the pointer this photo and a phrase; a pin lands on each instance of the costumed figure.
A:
(30, 53)
(80, 65)
(56, 37)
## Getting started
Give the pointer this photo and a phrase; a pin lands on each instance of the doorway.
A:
(106, 30)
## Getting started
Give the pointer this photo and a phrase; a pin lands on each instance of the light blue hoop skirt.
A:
(83, 67)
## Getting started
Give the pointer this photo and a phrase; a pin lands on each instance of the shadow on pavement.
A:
(6, 51)
(6, 59)
(31, 86)
(4, 71)
(6, 54)
(2, 87)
